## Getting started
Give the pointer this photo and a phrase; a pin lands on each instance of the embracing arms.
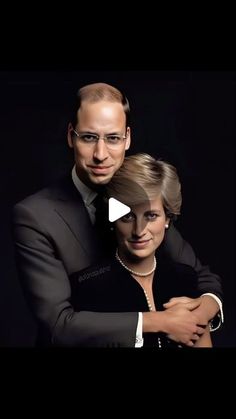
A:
(181, 251)
(43, 273)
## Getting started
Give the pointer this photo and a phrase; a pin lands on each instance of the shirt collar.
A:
(88, 195)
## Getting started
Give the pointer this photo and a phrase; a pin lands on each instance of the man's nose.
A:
(100, 150)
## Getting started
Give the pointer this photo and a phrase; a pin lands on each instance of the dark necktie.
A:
(101, 214)
(102, 224)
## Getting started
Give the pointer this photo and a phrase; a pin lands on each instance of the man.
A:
(55, 234)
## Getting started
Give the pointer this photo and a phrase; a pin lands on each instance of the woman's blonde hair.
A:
(142, 178)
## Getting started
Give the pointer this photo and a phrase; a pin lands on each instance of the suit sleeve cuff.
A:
(139, 332)
(218, 320)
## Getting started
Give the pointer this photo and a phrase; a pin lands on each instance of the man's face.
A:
(97, 162)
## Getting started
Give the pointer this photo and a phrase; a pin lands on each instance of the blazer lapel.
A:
(70, 207)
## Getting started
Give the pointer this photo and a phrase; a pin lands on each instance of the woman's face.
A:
(141, 232)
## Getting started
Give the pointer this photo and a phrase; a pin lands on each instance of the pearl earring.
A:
(166, 225)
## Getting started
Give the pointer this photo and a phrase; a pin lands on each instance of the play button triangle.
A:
(116, 209)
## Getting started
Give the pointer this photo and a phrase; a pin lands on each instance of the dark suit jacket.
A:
(54, 237)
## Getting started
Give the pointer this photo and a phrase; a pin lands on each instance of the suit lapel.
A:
(70, 207)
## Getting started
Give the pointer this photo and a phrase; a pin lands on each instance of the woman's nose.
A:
(139, 227)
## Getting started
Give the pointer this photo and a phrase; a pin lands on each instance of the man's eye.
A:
(88, 138)
(113, 138)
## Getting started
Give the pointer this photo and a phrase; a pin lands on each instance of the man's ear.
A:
(128, 138)
(69, 136)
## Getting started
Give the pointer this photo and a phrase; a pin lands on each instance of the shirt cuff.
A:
(139, 332)
(219, 318)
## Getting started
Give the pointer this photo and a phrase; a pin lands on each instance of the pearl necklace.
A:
(134, 272)
(150, 307)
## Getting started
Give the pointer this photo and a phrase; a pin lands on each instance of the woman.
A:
(139, 277)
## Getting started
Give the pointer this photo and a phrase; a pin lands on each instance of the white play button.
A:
(116, 209)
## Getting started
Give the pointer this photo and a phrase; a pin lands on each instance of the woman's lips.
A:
(139, 244)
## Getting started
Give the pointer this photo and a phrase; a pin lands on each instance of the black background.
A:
(185, 117)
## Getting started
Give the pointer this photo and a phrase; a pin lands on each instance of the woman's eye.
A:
(128, 217)
(151, 216)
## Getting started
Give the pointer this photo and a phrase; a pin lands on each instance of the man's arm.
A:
(47, 288)
(204, 307)
(180, 251)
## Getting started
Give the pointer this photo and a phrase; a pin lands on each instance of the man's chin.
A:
(100, 180)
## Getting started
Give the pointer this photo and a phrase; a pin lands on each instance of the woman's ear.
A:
(167, 223)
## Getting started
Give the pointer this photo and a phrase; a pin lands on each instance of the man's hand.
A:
(181, 324)
(178, 322)
(192, 306)
(205, 307)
